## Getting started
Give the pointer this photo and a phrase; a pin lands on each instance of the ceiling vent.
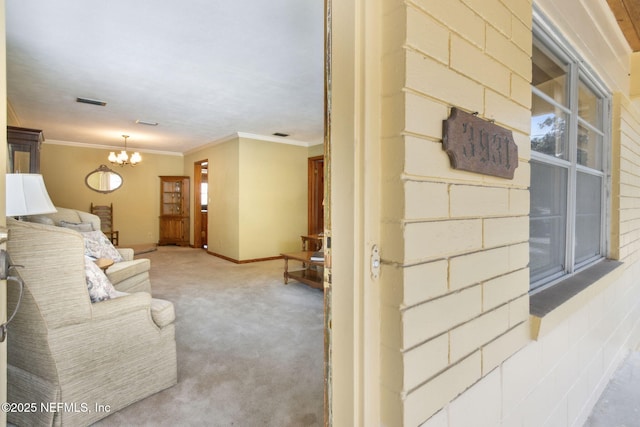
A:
(91, 101)
(146, 122)
(284, 135)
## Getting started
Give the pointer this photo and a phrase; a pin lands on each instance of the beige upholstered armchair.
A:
(64, 349)
(131, 275)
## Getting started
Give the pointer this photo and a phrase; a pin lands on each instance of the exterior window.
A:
(569, 113)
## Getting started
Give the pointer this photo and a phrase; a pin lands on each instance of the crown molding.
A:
(110, 147)
(236, 135)
(247, 135)
(277, 139)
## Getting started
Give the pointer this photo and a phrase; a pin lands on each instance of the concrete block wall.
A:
(556, 380)
(626, 206)
(455, 244)
(456, 341)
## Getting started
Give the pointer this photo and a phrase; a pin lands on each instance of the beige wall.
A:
(273, 193)
(257, 197)
(273, 198)
(224, 180)
(457, 344)
(316, 150)
(136, 204)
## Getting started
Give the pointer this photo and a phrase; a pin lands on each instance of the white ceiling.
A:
(202, 69)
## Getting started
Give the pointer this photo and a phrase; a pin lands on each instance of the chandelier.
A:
(122, 158)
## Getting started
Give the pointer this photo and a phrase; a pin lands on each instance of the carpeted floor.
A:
(250, 349)
(142, 248)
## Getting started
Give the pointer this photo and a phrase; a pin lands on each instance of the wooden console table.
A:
(312, 242)
(311, 274)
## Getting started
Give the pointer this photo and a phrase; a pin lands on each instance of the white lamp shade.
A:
(26, 194)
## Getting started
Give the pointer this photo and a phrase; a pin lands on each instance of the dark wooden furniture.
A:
(315, 195)
(23, 150)
(105, 213)
(174, 210)
(312, 272)
(312, 242)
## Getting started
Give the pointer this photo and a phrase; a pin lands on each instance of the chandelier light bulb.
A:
(122, 158)
(136, 158)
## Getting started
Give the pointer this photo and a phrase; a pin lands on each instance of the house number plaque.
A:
(480, 146)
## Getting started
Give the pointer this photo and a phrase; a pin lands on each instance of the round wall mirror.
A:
(103, 180)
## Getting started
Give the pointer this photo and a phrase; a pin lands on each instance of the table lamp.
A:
(26, 194)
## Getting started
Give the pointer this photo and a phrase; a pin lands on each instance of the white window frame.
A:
(578, 71)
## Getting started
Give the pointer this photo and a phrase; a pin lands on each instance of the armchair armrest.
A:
(87, 217)
(120, 306)
(127, 253)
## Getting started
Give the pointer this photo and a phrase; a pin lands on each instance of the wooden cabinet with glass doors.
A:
(174, 210)
(23, 154)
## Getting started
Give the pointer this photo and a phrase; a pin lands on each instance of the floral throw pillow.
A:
(97, 245)
(99, 286)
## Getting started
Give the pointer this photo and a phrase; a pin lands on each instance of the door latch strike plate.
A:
(375, 262)
(4, 264)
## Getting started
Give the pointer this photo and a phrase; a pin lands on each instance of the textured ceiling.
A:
(202, 69)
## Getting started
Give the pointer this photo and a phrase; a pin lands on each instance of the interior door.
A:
(316, 195)
(200, 220)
